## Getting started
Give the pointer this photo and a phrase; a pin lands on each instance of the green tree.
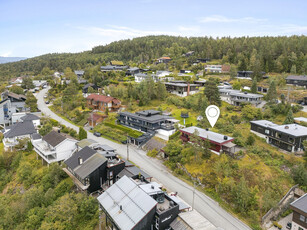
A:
(161, 92)
(90, 90)
(305, 153)
(212, 93)
(272, 92)
(82, 133)
(250, 140)
(233, 71)
(254, 86)
(31, 102)
(237, 85)
(16, 89)
(27, 83)
(299, 174)
(289, 119)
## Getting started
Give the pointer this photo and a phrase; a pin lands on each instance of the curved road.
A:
(209, 208)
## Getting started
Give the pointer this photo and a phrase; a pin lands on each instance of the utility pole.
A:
(127, 147)
(193, 195)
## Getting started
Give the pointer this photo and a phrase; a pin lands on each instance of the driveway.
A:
(209, 208)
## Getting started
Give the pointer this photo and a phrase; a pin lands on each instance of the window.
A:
(267, 131)
(302, 218)
(291, 139)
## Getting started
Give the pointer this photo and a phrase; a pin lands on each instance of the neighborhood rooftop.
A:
(300, 77)
(209, 135)
(54, 138)
(30, 117)
(20, 129)
(301, 203)
(292, 129)
(152, 118)
(264, 123)
(126, 203)
(84, 153)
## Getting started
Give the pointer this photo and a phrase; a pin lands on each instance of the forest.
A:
(269, 54)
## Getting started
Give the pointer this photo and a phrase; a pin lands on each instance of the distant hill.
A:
(10, 59)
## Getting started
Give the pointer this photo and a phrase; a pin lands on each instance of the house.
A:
(79, 73)
(139, 77)
(85, 88)
(245, 74)
(297, 80)
(237, 97)
(40, 83)
(288, 137)
(21, 130)
(164, 60)
(95, 118)
(262, 89)
(164, 75)
(101, 102)
(108, 68)
(217, 68)
(16, 81)
(299, 218)
(182, 88)
(201, 60)
(5, 111)
(146, 121)
(132, 71)
(85, 142)
(200, 82)
(188, 54)
(18, 101)
(54, 147)
(300, 120)
(137, 206)
(33, 118)
(218, 142)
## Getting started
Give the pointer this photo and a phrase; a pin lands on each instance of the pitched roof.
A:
(17, 96)
(90, 165)
(102, 98)
(95, 117)
(165, 58)
(301, 203)
(36, 136)
(84, 154)
(79, 72)
(30, 117)
(132, 171)
(20, 129)
(54, 138)
(209, 135)
(85, 142)
(126, 203)
(299, 78)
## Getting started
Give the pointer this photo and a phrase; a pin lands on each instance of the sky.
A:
(30, 28)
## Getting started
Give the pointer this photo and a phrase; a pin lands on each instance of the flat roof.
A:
(85, 142)
(151, 188)
(264, 123)
(303, 119)
(233, 92)
(180, 84)
(126, 203)
(301, 203)
(153, 118)
(292, 129)
(212, 136)
(196, 221)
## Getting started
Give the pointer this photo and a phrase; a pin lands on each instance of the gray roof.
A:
(263, 123)
(298, 78)
(106, 154)
(133, 68)
(301, 203)
(134, 202)
(85, 142)
(79, 72)
(303, 119)
(90, 165)
(148, 112)
(36, 136)
(20, 129)
(30, 117)
(54, 138)
(132, 171)
(209, 135)
(105, 147)
(292, 129)
(84, 153)
(233, 92)
(141, 75)
(153, 118)
(180, 84)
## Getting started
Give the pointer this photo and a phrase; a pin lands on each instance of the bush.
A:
(250, 140)
(130, 132)
(152, 153)
(82, 133)
(175, 135)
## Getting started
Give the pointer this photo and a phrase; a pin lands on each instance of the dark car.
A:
(97, 134)
(47, 102)
(289, 225)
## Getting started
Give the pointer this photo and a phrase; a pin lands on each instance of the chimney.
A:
(225, 138)
(80, 161)
(121, 207)
(188, 93)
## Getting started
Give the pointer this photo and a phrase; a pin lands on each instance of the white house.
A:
(31, 117)
(54, 147)
(21, 130)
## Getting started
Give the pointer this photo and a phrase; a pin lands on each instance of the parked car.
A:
(289, 225)
(97, 134)
(47, 102)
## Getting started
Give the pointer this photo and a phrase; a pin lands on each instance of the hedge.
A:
(131, 132)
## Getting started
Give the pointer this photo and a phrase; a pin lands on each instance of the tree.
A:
(161, 91)
(250, 140)
(233, 71)
(16, 89)
(289, 119)
(305, 153)
(27, 83)
(82, 133)
(107, 111)
(31, 102)
(236, 85)
(272, 93)
(254, 86)
(212, 92)
(90, 90)
(299, 175)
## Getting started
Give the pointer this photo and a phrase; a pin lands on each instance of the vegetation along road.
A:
(202, 203)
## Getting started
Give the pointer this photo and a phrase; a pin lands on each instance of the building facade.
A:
(101, 102)
(299, 218)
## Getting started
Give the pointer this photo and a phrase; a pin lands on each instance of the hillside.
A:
(10, 59)
(270, 54)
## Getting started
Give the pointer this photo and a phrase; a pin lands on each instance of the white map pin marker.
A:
(212, 113)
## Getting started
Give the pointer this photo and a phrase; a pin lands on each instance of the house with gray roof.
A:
(54, 147)
(237, 97)
(33, 118)
(297, 80)
(21, 130)
(289, 137)
(299, 218)
(182, 88)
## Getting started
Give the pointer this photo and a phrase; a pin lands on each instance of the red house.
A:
(219, 142)
(101, 102)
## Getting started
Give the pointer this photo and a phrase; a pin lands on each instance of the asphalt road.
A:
(209, 208)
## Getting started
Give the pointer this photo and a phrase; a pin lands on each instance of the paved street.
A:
(203, 204)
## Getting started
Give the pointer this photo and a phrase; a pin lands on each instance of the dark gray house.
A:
(297, 80)
(85, 88)
(299, 218)
(132, 71)
(147, 120)
(288, 137)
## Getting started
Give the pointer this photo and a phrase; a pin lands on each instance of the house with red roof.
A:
(164, 60)
(101, 102)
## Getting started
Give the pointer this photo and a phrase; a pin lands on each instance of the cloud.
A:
(7, 54)
(223, 19)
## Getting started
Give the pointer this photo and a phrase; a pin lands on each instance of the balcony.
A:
(167, 126)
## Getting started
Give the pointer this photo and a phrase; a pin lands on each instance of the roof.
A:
(95, 117)
(79, 72)
(84, 154)
(303, 119)
(152, 118)
(126, 203)
(233, 92)
(133, 171)
(211, 136)
(180, 84)
(149, 112)
(90, 165)
(20, 129)
(36, 136)
(179, 224)
(151, 188)
(196, 220)
(177, 200)
(298, 78)
(133, 69)
(85, 142)
(104, 147)
(165, 58)
(54, 138)
(102, 98)
(30, 117)
(141, 75)
(301, 203)
(117, 63)
(292, 129)
(263, 123)
(17, 96)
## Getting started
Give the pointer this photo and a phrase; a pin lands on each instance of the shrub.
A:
(152, 153)
(250, 140)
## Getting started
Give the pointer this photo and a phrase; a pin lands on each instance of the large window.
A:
(302, 218)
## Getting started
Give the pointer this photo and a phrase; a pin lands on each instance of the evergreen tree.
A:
(254, 86)
(31, 102)
(27, 83)
(272, 93)
(289, 118)
(212, 92)
(16, 89)
(82, 133)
